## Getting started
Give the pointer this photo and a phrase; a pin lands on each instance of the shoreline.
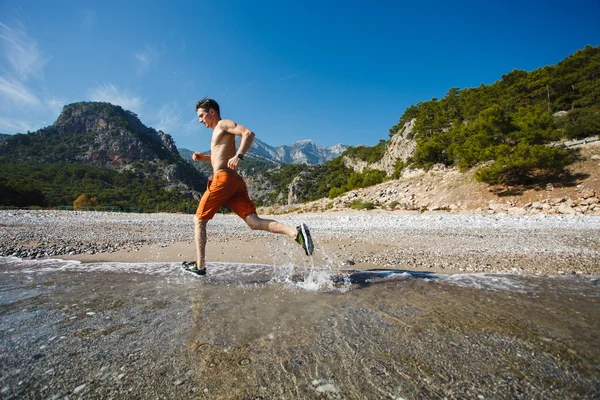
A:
(440, 242)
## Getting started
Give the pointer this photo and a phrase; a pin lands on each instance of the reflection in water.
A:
(402, 334)
(260, 331)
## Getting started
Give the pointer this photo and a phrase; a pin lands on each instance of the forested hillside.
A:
(504, 129)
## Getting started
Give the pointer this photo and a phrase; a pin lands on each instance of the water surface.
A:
(261, 331)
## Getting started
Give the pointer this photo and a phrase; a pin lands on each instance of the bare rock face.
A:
(402, 146)
(110, 136)
(294, 189)
(259, 188)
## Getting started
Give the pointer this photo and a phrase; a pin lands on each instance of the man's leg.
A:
(200, 238)
(300, 233)
(257, 223)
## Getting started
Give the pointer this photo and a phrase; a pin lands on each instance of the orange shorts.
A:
(226, 188)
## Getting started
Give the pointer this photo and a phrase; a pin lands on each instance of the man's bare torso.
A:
(222, 148)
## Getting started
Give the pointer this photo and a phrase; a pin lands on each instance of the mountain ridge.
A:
(305, 151)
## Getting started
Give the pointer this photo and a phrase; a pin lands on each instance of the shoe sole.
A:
(308, 240)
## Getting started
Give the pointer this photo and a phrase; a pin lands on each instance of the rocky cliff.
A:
(401, 147)
(111, 136)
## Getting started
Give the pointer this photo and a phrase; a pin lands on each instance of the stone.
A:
(588, 194)
(517, 211)
(564, 209)
(79, 388)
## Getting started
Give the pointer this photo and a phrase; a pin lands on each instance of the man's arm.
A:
(238, 130)
(200, 157)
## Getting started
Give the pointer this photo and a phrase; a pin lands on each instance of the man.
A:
(226, 186)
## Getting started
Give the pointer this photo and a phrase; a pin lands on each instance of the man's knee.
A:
(253, 222)
(198, 221)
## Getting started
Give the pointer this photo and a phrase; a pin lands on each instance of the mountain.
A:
(300, 152)
(100, 150)
(3, 135)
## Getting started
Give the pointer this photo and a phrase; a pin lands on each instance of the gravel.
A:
(533, 244)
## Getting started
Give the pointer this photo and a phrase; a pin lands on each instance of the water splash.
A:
(316, 278)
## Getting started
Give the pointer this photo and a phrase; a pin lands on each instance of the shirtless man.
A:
(226, 186)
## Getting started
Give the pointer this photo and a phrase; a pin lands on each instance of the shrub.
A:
(361, 205)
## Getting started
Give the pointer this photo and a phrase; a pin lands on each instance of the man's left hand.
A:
(233, 163)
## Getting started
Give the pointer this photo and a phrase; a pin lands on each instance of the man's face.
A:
(206, 117)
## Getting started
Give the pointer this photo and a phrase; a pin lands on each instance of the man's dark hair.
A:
(207, 104)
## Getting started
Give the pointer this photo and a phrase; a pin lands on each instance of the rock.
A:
(588, 194)
(517, 211)
(564, 209)
(79, 388)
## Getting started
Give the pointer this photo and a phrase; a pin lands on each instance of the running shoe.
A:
(303, 237)
(190, 266)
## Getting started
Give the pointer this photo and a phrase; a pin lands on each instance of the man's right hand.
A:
(197, 156)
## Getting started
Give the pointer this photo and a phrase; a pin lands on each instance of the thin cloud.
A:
(13, 125)
(146, 58)
(55, 105)
(169, 119)
(17, 94)
(22, 53)
(112, 94)
(285, 78)
(190, 127)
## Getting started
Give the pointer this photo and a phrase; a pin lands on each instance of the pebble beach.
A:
(434, 242)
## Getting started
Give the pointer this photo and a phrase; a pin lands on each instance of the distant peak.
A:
(304, 141)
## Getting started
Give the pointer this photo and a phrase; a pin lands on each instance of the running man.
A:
(227, 187)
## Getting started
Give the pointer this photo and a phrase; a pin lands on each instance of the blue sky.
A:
(334, 72)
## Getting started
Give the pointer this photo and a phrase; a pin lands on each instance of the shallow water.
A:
(261, 331)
